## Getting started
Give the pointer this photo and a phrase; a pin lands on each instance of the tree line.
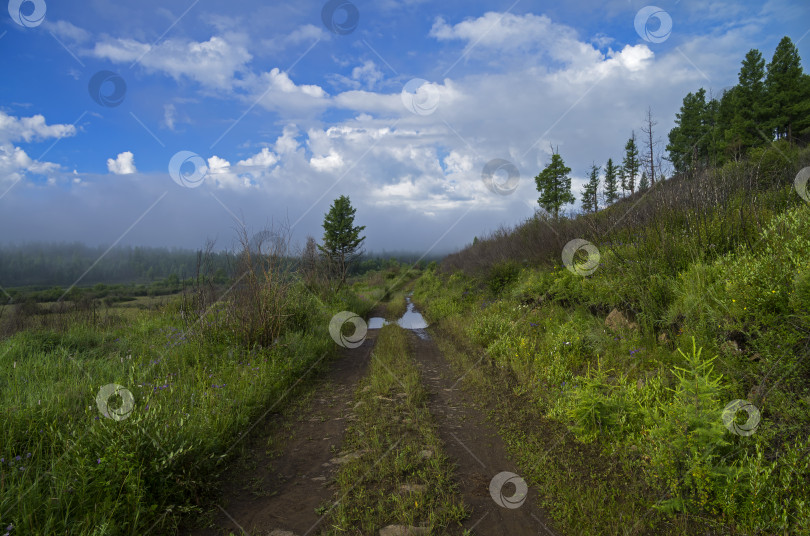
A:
(64, 264)
(770, 103)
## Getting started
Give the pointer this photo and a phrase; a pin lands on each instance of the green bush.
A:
(502, 275)
(597, 407)
(687, 442)
(773, 162)
(800, 296)
(762, 496)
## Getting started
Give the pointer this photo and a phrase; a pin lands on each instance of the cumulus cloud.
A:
(330, 162)
(263, 158)
(220, 63)
(274, 90)
(509, 32)
(251, 172)
(32, 128)
(213, 63)
(123, 164)
(366, 75)
(14, 161)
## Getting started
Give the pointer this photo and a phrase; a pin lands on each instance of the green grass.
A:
(388, 288)
(658, 455)
(66, 468)
(400, 475)
(396, 306)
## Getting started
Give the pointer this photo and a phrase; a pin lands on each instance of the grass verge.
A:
(126, 427)
(394, 471)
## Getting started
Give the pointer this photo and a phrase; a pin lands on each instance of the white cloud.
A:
(213, 63)
(306, 34)
(67, 31)
(169, 116)
(32, 128)
(218, 165)
(264, 158)
(510, 32)
(287, 142)
(527, 38)
(123, 164)
(14, 161)
(456, 162)
(221, 63)
(224, 176)
(274, 90)
(331, 162)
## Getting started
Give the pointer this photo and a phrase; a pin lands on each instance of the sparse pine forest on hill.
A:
(644, 364)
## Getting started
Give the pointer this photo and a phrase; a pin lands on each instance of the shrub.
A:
(762, 495)
(502, 275)
(597, 406)
(687, 441)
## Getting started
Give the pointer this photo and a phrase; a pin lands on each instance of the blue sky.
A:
(282, 113)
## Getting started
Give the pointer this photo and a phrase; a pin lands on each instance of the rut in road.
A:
(280, 495)
(475, 447)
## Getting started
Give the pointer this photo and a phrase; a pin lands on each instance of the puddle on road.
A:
(376, 322)
(412, 319)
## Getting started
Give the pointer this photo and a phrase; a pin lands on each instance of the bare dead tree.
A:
(650, 145)
(314, 269)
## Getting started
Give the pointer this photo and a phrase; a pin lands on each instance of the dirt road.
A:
(281, 493)
(474, 445)
(284, 493)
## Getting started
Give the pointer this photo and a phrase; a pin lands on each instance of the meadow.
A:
(120, 419)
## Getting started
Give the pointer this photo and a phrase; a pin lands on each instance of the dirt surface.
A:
(270, 494)
(280, 490)
(474, 446)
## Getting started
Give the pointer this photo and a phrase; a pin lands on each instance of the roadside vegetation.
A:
(698, 298)
(647, 360)
(120, 420)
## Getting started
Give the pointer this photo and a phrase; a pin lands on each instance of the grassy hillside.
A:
(699, 296)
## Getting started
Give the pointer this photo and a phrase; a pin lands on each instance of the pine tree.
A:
(611, 186)
(554, 186)
(749, 103)
(727, 146)
(688, 140)
(788, 100)
(714, 136)
(341, 239)
(630, 165)
(644, 183)
(590, 192)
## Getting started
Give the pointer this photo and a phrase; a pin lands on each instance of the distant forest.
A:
(49, 264)
(63, 264)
